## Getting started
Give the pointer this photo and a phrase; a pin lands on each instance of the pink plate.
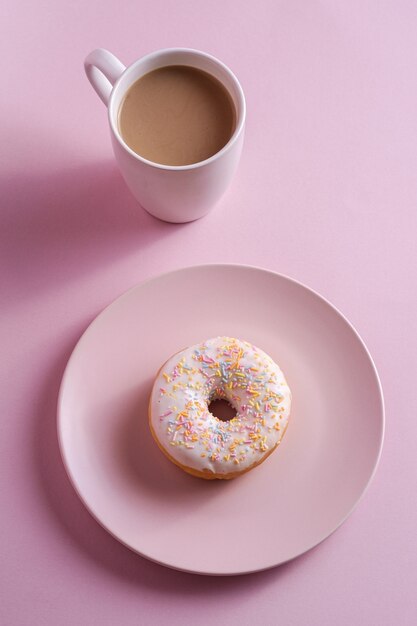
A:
(290, 503)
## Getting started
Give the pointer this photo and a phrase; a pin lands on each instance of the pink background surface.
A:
(326, 193)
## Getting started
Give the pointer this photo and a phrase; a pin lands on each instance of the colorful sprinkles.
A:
(220, 368)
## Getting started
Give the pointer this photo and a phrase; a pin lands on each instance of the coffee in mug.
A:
(177, 115)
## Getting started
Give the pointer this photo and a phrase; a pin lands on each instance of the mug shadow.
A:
(72, 222)
(91, 540)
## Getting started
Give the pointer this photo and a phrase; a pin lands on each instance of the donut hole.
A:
(222, 410)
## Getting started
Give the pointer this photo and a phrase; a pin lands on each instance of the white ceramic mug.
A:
(172, 193)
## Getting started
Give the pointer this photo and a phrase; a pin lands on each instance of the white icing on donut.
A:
(224, 368)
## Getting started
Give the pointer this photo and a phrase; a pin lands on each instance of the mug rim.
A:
(241, 116)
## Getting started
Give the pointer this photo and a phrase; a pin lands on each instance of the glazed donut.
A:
(221, 368)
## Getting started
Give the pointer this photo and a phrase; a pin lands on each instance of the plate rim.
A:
(197, 267)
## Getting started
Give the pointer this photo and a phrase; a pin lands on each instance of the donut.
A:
(191, 436)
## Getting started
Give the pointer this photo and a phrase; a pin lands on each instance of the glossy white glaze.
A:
(225, 368)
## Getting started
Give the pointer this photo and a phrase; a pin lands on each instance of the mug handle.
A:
(103, 69)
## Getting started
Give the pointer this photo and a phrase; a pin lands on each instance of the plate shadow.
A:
(89, 538)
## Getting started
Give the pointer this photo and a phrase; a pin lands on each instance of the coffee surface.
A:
(176, 115)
